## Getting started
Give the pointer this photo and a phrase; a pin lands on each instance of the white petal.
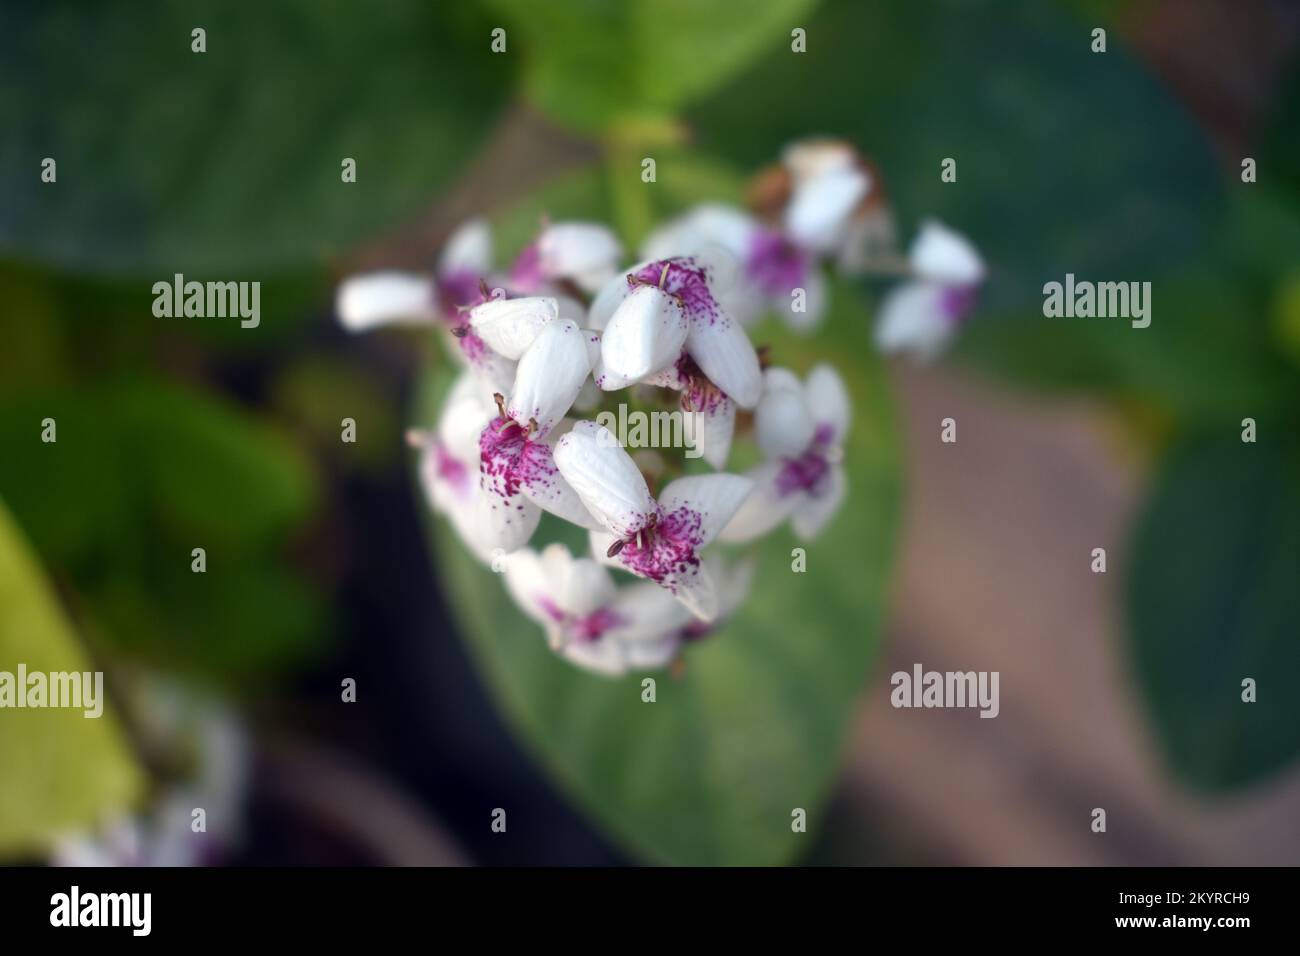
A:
(809, 158)
(715, 498)
(814, 511)
(777, 377)
(506, 522)
(509, 326)
(549, 377)
(783, 423)
(601, 656)
(541, 482)
(731, 581)
(529, 585)
(821, 207)
(645, 333)
(829, 402)
(469, 249)
(694, 588)
(940, 254)
(724, 353)
(606, 301)
(652, 653)
(605, 478)
(647, 613)
(586, 252)
(763, 510)
(710, 432)
(385, 298)
(580, 585)
(912, 320)
(463, 416)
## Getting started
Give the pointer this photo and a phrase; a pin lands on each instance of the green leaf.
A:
(141, 474)
(1212, 600)
(594, 64)
(172, 160)
(1067, 161)
(61, 770)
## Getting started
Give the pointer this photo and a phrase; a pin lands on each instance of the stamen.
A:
(460, 331)
(483, 289)
(615, 548)
(532, 427)
(501, 404)
(663, 276)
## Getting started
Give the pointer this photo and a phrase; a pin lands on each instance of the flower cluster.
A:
(547, 344)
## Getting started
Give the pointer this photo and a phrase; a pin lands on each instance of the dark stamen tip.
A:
(615, 548)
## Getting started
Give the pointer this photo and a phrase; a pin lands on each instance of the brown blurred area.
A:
(994, 562)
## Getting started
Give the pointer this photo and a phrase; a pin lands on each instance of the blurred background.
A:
(1119, 691)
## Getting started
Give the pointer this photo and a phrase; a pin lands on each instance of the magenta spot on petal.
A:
(458, 289)
(688, 282)
(500, 448)
(475, 349)
(774, 264)
(526, 273)
(594, 625)
(805, 473)
(666, 551)
(824, 435)
(549, 608)
(956, 302)
(450, 468)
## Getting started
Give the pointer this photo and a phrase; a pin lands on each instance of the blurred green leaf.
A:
(1213, 599)
(593, 64)
(62, 771)
(1067, 161)
(170, 160)
(141, 474)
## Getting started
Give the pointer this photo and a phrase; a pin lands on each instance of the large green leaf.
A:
(140, 475)
(61, 770)
(171, 160)
(593, 64)
(1067, 161)
(1213, 600)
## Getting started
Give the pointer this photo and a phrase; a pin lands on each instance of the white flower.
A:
(644, 327)
(829, 184)
(213, 742)
(800, 429)
(590, 621)
(732, 583)
(375, 299)
(516, 472)
(658, 540)
(752, 268)
(584, 253)
(922, 314)
(449, 464)
(509, 326)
